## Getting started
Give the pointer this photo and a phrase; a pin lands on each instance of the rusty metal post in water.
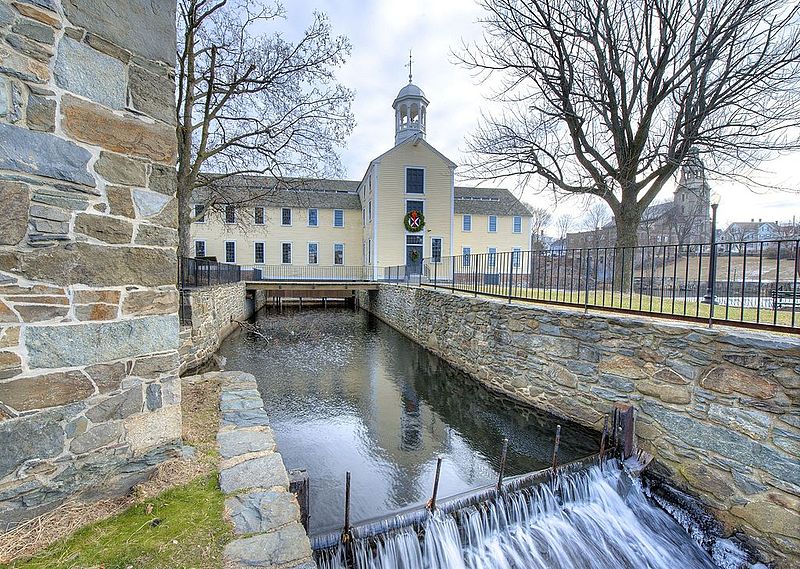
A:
(346, 529)
(503, 454)
(555, 448)
(603, 440)
(432, 502)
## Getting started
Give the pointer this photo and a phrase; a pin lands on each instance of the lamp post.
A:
(712, 265)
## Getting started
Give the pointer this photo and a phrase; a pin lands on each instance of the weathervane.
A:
(409, 66)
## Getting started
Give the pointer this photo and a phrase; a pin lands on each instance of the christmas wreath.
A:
(414, 255)
(414, 221)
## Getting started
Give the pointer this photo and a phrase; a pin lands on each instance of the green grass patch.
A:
(180, 528)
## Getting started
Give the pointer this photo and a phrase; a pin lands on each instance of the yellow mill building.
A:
(406, 209)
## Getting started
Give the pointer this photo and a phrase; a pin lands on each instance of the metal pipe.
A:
(432, 502)
(603, 440)
(503, 455)
(555, 448)
(346, 529)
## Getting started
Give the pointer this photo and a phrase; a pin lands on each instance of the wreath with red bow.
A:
(414, 221)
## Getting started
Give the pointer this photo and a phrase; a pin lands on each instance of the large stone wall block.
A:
(44, 12)
(119, 169)
(152, 94)
(156, 236)
(148, 430)
(149, 204)
(144, 302)
(91, 343)
(93, 124)
(90, 73)
(38, 436)
(152, 35)
(14, 221)
(43, 154)
(163, 179)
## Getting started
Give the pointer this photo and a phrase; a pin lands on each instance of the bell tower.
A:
(410, 111)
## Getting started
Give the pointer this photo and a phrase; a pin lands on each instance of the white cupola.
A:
(410, 111)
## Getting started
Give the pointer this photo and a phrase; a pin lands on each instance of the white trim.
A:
(205, 247)
(406, 200)
(225, 250)
(263, 215)
(424, 180)
(333, 219)
(452, 209)
(441, 249)
(263, 249)
(343, 254)
(374, 172)
(517, 250)
(194, 213)
(308, 252)
(513, 221)
(291, 253)
(464, 216)
(291, 217)
(469, 256)
(491, 251)
(489, 223)
(308, 216)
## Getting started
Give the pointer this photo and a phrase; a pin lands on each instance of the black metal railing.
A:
(307, 273)
(754, 284)
(200, 272)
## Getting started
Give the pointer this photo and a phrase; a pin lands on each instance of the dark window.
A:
(436, 249)
(466, 256)
(286, 216)
(199, 213)
(492, 223)
(415, 180)
(230, 214)
(338, 218)
(415, 205)
(516, 253)
(517, 224)
(258, 252)
(338, 254)
(413, 239)
(230, 251)
(259, 216)
(491, 258)
(313, 259)
(312, 218)
(286, 253)
(199, 248)
(467, 225)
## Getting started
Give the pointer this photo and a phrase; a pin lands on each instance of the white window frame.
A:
(225, 250)
(491, 257)
(225, 215)
(308, 214)
(441, 248)
(263, 253)
(369, 206)
(333, 219)
(516, 257)
(291, 252)
(424, 180)
(514, 224)
(334, 254)
(464, 218)
(466, 253)
(290, 217)
(263, 215)
(308, 253)
(205, 247)
(194, 213)
(489, 223)
(405, 209)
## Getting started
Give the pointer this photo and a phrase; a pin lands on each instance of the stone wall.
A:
(718, 408)
(213, 312)
(89, 389)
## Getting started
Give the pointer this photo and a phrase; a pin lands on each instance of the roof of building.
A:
(292, 192)
(410, 90)
(487, 201)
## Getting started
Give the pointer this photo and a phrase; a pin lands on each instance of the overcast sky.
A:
(382, 32)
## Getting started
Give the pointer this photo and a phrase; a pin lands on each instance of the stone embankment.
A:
(717, 408)
(265, 515)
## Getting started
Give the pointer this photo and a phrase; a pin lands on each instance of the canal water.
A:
(345, 392)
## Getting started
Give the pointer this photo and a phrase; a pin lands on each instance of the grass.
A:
(173, 520)
(181, 528)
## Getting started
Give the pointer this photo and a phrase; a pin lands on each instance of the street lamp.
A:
(712, 265)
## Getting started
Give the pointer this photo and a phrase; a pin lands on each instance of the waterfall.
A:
(597, 518)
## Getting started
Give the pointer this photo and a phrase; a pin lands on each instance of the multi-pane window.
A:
(259, 216)
(415, 181)
(230, 251)
(363, 216)
(466, 223)
(491, 258)
(436, 249)
(466, 256)
(313, 217)
(230, 214)
(517, 224)
(286, 216)
(516, 254)
(286, 253)
(338, 218)
(313, 253)
(369, 250)
(258, 252)
(415, 205)
(492, 223)
(199, 213)
(338, 253)
(200, 248)
(370, 210)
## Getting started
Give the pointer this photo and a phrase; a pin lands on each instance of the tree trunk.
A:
(627, 225)
(185, 184)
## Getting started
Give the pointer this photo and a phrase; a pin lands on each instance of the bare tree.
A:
(595, 219)
(607, 97)
(564, 223)
(540, 219)
(252, 102)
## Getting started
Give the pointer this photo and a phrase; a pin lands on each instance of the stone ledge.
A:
(254, 478)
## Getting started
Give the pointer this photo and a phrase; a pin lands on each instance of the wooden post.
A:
(555, 448)
(625, 428)
(432, 502)
(299, 486)
(603, 440)
(346, 529)
(503, 455)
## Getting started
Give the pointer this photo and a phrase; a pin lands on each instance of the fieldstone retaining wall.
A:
(718, 408)
(211, 315)
(265, 515)
(89, 389)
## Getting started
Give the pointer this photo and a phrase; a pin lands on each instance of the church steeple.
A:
(410, 110)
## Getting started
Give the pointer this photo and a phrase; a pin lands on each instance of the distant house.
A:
(752, 231)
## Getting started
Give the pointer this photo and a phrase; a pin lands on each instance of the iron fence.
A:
(201, 272)
(743, 283)
(307, 273)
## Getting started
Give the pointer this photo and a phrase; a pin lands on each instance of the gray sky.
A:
(382, 31)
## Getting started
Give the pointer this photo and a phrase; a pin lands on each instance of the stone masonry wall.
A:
(214, 312)
(717, 408)
(89, 389)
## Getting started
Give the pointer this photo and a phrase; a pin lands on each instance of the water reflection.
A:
(346, 392)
